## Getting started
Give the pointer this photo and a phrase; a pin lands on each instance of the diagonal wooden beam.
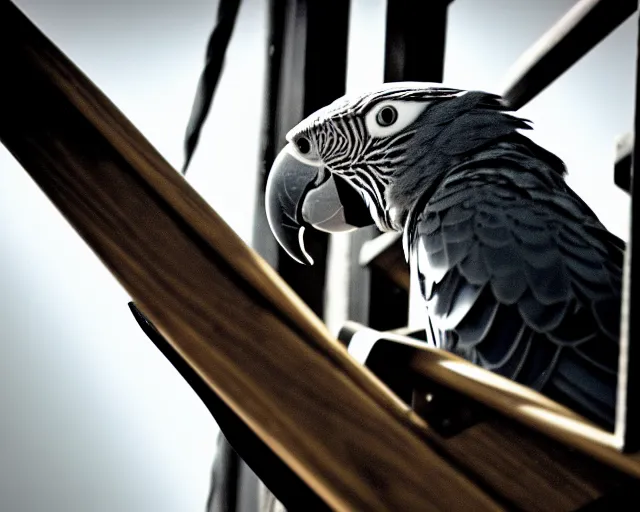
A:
(583, 27)
(220, 305)
(237, 437)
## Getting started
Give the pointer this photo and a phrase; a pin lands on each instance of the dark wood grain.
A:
(526, 407)
(526, 451)
(222, 308)
(530, 471)
(511, 400)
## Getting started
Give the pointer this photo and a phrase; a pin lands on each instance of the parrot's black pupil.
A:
(387, 116)
(304, 146)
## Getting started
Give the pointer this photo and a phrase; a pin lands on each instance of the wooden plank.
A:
(585, 25)
(531, 471)
(222, 308)
(292, 491)
(525, 406)
(289, 92)
(507, 397)
(525, 449)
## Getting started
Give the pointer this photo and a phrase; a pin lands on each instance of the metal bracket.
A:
(447, 412)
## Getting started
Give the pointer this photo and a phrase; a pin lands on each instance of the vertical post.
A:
(627, 428)
(415, 44)
(285, 63)
(307, 70)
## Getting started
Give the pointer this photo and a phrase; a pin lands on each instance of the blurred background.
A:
(93, 417)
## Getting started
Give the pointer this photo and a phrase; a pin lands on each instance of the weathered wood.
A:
(586, 24)
(507, 397)
(528, 451)
(236, 436)
(218, 303)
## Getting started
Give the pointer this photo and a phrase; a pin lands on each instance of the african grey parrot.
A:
(518, 274)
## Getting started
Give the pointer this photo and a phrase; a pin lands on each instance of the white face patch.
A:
(406, 113)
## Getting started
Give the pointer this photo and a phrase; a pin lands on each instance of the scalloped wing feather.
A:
(523, 279)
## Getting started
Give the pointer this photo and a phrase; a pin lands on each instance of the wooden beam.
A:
(287, 94)
(292, 491)
(222, 308)
(561, 460)
(585, 25)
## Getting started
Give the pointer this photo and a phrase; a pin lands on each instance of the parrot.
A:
(517, 274)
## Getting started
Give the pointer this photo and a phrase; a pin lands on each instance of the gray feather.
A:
(521, 286)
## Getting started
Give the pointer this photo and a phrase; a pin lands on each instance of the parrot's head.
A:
(367, 158)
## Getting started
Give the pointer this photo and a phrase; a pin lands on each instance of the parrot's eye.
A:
(392, 117)
(387, 116)
(303, 145)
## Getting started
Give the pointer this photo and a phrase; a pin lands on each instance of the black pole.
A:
(628, 407)
(307, 70)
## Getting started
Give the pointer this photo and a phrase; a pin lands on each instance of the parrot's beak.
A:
(300, 194)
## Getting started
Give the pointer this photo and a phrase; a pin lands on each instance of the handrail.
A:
(221, 307)
(505, 396)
